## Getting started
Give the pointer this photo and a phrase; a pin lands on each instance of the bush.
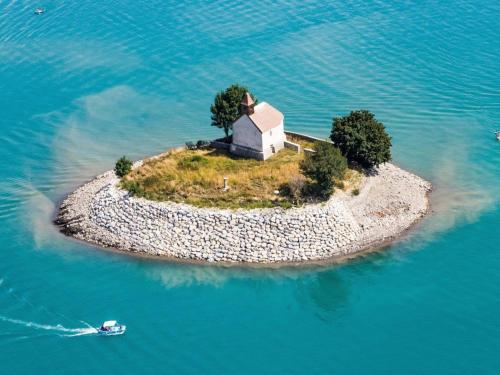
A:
(362, 138)
(322, 166)
(201, 144)
(190, 146)
(192, 162)
(133, 187)
(123, 166)
(355, 192)
(296, 188)
(285, 205)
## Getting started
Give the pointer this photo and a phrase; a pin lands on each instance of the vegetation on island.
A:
(197, 176)
(324, 165)
(123, 166)
(226, 107)
(201, 144)
(362, 138)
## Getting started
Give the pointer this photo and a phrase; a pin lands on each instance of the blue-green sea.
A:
(89, 81)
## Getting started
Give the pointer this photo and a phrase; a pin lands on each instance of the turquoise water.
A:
(89, 81)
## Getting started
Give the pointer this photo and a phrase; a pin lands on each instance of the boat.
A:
(497, 134)
(39, 11)
(111, 328)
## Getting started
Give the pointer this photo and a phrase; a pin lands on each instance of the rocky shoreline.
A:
(390, 201)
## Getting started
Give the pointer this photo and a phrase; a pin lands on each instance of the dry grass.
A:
(352, 179)
(304, 143)
(197, 178)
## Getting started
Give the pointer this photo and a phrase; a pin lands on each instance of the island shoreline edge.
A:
(359, 250)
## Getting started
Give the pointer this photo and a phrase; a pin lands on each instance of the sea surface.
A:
(90, 81)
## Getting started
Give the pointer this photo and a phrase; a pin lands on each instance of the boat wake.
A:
(61, 330)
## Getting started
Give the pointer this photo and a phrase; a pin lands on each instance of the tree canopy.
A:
(123, 166)
(322, 166)
(362, 138)
(226, 107)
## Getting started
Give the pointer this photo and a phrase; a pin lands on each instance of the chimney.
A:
(247, 105)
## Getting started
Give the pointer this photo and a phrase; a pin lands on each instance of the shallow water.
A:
(87, 82)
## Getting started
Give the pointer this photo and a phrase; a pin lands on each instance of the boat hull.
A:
(114, 331)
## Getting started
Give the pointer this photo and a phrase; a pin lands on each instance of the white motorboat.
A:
(39, 11)
(111, 328)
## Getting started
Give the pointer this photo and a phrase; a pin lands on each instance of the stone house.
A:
(259, 132)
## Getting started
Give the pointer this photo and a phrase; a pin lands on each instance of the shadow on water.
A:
(329, 288)
(326, 290)
(324, 287)
(173, 275)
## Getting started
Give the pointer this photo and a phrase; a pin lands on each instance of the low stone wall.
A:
(292, 146)
(307, 137)
(389, 202)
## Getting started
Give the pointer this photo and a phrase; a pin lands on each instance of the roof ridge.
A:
(253, 122)
(247, 99)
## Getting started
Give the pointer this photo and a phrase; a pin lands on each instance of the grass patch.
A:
(197, 177)
(192, 162)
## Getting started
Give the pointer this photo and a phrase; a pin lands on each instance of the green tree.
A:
(123, 166)
(362, 138)
(226, 107)
(322, 166)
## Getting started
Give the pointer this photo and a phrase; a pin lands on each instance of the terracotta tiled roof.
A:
(247, 100)
(266, 117)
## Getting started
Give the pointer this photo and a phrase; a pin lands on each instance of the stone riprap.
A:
(389, 203)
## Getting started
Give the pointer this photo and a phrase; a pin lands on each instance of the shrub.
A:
(362, 138)
(123, 166)
(190, 146)
(201, 144)
(133, 187)
(226, 107)
(355, 192)
(285, 205)
(322, 166)
(192, 162)
(295, 188)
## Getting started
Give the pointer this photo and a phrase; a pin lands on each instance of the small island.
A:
(258, 195)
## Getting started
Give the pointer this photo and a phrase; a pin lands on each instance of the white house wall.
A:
(273, 140)
(274, 137)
